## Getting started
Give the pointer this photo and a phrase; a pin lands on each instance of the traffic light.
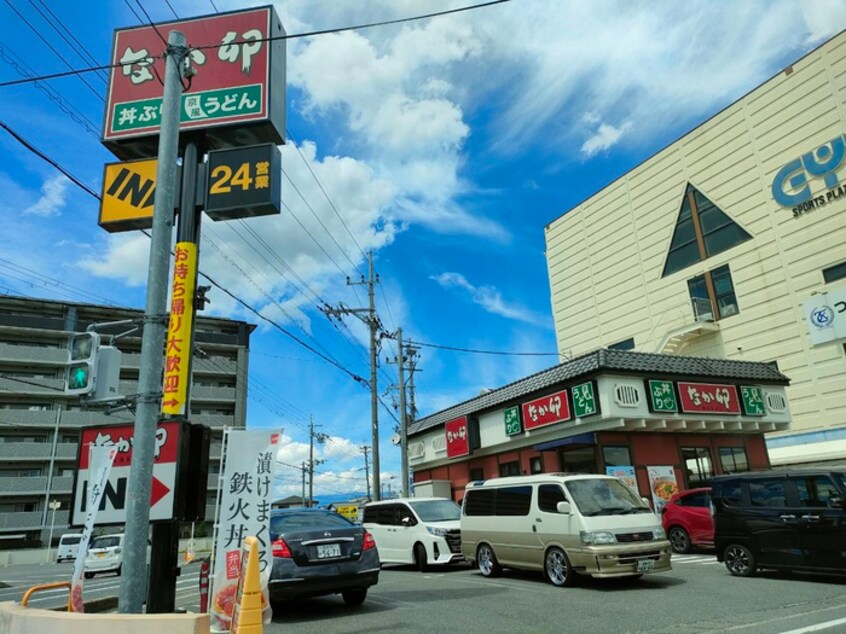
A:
(81, 371)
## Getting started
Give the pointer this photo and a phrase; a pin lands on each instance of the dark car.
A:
(790, 520)
(318, 552)
(686, 519)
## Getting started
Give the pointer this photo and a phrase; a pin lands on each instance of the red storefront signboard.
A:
(708, 398)
(550, 409)
(239, 84)
(457, 437)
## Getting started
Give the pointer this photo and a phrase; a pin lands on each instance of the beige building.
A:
(729, 243)
(40, 425)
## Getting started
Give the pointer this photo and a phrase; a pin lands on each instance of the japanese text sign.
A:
(246, 489)
(513, 426)
(662, 396)
(584, 400)
(554, 408)
(239, 80)
(752, 398)
(708, 398)
(457, 437)
(178, 346)
(244, 182)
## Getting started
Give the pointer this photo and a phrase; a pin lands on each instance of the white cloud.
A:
(52, 197)
(821, 18)
(490, 299)
(124, 256)
(605, 136)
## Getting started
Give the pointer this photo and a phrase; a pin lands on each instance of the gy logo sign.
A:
(791, 185)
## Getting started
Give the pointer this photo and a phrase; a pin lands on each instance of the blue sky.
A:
(445, 146)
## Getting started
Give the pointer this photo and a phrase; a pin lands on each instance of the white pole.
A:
(53, 506)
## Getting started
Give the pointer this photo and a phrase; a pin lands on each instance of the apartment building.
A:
(39, 425)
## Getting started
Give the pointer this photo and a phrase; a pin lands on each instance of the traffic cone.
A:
(247, 612)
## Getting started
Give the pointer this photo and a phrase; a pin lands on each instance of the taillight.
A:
(280, 548)
(369, 542)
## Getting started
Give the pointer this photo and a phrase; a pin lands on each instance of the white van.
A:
(419, 531)
(105, 554)
(68, 547)
(564, 525)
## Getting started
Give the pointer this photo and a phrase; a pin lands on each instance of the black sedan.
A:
(318, 552)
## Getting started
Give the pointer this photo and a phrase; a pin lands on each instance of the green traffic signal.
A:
(78, 377)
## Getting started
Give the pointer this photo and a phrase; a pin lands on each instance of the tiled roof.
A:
(608, 362)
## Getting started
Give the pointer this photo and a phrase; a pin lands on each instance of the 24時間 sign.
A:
(238, 88)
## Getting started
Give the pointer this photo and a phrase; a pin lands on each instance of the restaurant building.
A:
(730, 243)
(662, 422)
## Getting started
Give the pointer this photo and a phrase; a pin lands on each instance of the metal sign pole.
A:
(133, 581)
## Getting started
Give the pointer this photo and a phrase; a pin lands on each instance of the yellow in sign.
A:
(128, 192)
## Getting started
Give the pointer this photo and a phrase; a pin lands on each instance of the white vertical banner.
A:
(100, 460)
(244, 510)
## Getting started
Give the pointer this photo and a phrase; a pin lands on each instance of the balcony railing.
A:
(36, 450)
(31, 520)
(35, 485)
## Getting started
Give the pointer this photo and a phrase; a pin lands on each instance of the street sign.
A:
(244, 182)
(236, 97)
(169, 438)
(128, 192)
(178, 347)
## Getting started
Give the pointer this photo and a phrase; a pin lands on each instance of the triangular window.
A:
(702, 230)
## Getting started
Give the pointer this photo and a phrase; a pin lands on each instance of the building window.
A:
(579, 460)
(710, 290)
(617, 456)
(733, 459)
(834, 273)
(697, 466)
(626, 344)
(477, 473)
(509, 469)
(702, 230)
(536, 465)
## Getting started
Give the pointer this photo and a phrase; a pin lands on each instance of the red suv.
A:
(687, 520)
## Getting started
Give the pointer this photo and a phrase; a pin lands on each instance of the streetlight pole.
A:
(54, 505)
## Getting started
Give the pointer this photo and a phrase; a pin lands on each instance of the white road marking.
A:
(816, 628)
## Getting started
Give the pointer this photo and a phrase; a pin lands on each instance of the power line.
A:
(498, 352)
(292, 36)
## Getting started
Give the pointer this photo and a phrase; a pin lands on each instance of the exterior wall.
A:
(606, 256)
(35, 413)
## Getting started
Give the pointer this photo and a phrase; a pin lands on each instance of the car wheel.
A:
(420, 558)
(89, 575)
(740, 561)
(679, 540)
(354, 597)
(558, 569)
(486, 561)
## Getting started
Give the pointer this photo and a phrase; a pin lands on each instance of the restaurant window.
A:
(713, 289)
(477, 473)
(834, 273)
(697, 466)
(509, 469)
(536, 465)
(702, 230)
(617, 456)
(733, 459)
(579, 460)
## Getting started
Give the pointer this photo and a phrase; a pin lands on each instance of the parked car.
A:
(687, 520)
(790, 520)
(563, 525)
(318, 552)
(105, 554)
(68, 547)
(419, 531)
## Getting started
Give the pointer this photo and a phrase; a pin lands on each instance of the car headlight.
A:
(659, 533)
(597, 537)
(437, 532)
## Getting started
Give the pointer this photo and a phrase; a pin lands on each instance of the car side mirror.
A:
(837, 503)
(406, 521)
(564, 508)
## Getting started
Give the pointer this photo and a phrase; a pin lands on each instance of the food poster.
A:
(100, 461)
(626, 474)
(246, 488)
(662, 484)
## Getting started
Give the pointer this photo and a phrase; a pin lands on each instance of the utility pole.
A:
(372, 320)
(133, 581)
(412, 368)
(364, 450)
(311, 462)
(400, 361)
(302, 497)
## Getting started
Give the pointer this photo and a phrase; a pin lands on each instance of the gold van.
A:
(563, 525)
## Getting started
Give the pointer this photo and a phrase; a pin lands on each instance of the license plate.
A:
(101, 554)
(325, 551)
(645, 565)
